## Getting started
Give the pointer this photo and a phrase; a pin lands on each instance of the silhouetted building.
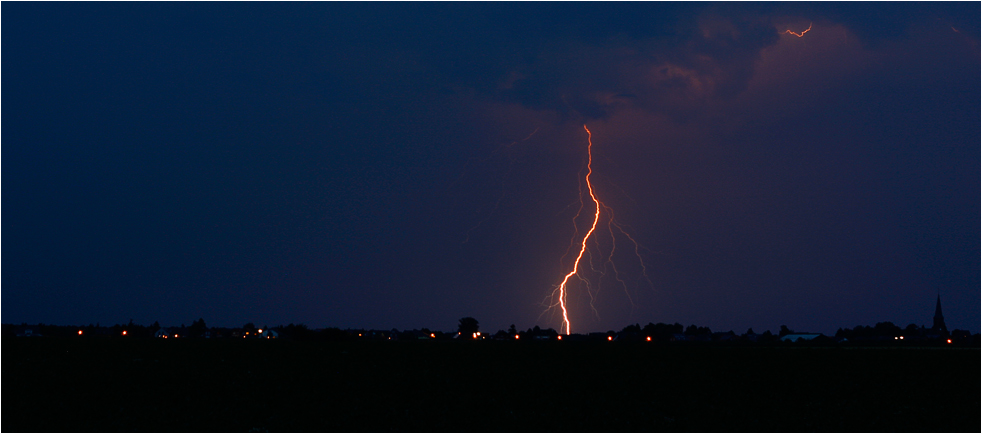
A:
(793, 337)
(162, 333)
(28, 331)
(939, 326)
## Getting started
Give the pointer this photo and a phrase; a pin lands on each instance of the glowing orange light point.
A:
(124, 332)
(80, 333)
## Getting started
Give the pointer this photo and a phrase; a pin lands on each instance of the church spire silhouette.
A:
(939, 325)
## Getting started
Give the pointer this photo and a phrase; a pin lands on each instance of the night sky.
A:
(380, 165)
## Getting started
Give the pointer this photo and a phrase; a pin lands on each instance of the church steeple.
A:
(939, 325)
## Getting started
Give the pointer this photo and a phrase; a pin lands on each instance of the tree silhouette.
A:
(694, 330)
(297, 331)
(911, 329)
(887, 329)
(631, 329)
(197, 328)
(467, 326)
(661, 331)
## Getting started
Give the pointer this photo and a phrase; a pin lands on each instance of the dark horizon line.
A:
(98, 325)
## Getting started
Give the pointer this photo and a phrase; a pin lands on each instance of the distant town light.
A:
(432, 335)
(560, 337)
(516, 336)
(80, 333)
(649, 339)
(610, 338)
(474, 335)
(124, 332)
(895, 338)
(479, 333)
(359, 334)
(949, 341)
(260, 330)
(901, 338)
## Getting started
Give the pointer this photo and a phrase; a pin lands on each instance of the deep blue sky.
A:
(404, 165)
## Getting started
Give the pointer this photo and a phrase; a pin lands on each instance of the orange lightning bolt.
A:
(596, 217)
(799, 34)
(560, 293)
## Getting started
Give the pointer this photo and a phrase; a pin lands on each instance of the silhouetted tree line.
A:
(469, 329)
(888, 331)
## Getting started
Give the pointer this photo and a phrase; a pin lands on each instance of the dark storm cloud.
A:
(583, 59)
(707, 59)
(680, 62)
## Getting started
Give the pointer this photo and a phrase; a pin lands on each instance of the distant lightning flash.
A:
(561, 292)
(799, 34)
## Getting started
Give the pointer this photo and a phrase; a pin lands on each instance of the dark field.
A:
(52, 384)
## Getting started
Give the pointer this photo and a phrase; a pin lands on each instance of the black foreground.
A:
(72, 385)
